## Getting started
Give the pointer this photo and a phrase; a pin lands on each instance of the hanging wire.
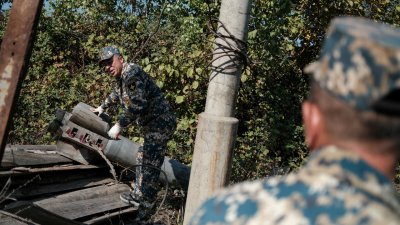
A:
(227, 45)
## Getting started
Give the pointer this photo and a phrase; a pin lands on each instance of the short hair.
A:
(347, 123)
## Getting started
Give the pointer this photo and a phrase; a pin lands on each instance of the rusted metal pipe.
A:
(16, 48)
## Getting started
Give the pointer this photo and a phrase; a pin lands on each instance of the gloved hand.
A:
(99, 110)
(114, 131)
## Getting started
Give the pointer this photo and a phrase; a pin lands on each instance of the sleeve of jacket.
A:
(111, 100)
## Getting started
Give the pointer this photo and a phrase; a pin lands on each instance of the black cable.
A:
(240, 49)
(226, 49)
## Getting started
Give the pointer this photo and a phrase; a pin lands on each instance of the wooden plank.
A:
(25, 170)
(86, 202)
(55, 177)
(39, 215)
(85, 194)
(33, 147)
(11, 221)
(54, 168)
(7, 218)
(78, 209)
(19, 156)
(109, 216)
(15, 51)
(40, 189)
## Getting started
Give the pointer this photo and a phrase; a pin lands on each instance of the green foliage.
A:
(171, 40)
(283, 37)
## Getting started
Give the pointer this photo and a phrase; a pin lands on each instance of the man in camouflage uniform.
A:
(143, 104)
(352, 127)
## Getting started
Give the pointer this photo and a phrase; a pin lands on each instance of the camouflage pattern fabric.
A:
(359, 62)
(335, 187)
(145, 105)
(140, 97)
(107, 53)
(156, 137)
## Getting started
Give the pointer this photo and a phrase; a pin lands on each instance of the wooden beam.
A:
(33, 147)
(39, 215)
(7, 218)
(84, 194)
(107, 217)
(74, 210)
(15, 51)
(36, 190)
(25, 170)
(86, 202)
(19, 156)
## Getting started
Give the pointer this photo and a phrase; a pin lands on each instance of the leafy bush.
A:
(172, 41)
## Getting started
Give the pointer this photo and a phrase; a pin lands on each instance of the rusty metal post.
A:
(16, 48)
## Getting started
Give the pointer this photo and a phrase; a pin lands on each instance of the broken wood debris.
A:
(48, 188)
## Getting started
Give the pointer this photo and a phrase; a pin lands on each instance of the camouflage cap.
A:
(359, 62)
(107, 53)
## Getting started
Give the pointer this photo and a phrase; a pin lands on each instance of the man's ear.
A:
(314, 128)
(121, 59)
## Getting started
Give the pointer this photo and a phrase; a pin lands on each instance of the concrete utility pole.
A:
(15, 52)
(216, 130)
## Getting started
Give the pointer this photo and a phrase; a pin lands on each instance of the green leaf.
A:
(197, 53)
(185, 89)
(147, 68)
(252, 34)
(195, 85)
(190, 72)
(160, 83)
(146, 61)
(199, 70)
(243, 78)
(179, 99)
(169, 68)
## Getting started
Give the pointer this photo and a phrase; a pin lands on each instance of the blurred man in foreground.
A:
(352, 128)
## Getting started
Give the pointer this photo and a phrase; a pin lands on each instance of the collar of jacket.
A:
(347, 166)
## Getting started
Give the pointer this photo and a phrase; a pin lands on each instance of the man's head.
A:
(356, 85)
(110, 60)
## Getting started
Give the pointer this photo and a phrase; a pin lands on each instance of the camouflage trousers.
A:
(157, 133)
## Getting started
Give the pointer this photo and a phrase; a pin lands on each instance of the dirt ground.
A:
(171, 212)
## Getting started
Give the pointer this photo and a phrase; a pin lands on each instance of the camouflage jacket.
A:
(141, 99)
(335, 187)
